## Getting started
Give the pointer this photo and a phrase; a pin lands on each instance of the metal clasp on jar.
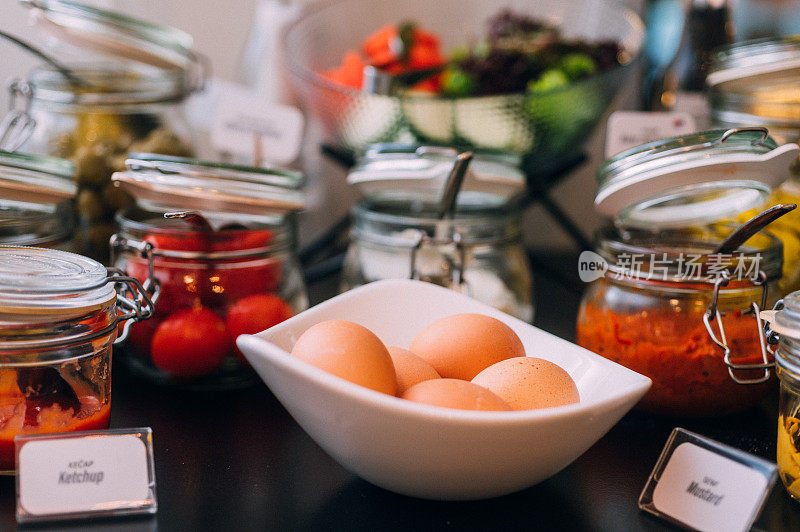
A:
(132, 293)
(714, 314)
(133, 303)
(18, 125)
(456, 267)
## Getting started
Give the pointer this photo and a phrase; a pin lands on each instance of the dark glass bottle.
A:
(677, 53)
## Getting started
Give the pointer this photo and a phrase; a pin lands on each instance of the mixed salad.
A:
(517, 54)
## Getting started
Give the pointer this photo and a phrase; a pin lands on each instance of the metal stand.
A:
(541, 180)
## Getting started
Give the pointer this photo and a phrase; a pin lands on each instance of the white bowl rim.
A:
(639, 384)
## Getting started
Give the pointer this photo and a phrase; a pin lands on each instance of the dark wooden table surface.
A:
(237, 461)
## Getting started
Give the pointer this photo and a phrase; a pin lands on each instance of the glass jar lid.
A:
(160, 182)
(693, 179)
(787, 320)
(757, 61)
(35, 178)
(757, 82)
(410, 170)
(41, 281)
(120, 37)
(783, 327)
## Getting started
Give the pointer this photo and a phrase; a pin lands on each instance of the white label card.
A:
(84, 475)
(627, 129)
(708, 491)
(248, 125)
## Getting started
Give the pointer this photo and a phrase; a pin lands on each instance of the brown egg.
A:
(463, 345)
(410, 368)
(350, 351)
(454, 393)
(527, 382)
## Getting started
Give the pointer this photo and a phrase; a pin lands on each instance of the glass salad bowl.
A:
(544, 125)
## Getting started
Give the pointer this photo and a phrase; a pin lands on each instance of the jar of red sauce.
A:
(59, 317)
(227, 267)
(665, 304)
(655, 317)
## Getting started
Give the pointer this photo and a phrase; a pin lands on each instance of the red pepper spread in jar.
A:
(676, 352)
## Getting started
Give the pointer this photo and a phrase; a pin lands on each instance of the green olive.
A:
(64, 145)
(91, 166)
(90, 205)
(116, 198)
(162, 142)
(99, 234)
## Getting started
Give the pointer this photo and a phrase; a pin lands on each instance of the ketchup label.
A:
(84, 474)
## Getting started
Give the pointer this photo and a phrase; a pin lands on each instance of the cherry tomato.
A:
(182, 283)
(191, 241)
(190, 343)
(255, 313)
(237, 240)
(231, 282)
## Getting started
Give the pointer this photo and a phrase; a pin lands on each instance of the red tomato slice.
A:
(380, 40)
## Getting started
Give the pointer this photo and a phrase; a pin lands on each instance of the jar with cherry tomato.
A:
(220, 272)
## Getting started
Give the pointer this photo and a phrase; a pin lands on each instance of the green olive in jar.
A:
(92, 165)
(90, 205)
(116, 198)
(163, 142)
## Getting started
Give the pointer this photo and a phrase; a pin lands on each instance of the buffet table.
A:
(238, 461)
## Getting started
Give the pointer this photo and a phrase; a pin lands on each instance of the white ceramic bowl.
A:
(434, 452)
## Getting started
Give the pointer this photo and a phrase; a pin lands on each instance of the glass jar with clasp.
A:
(60, 314)
(399, 233)
(128, 82)
(220, 241)
(36, 201)
(669, 306)
(783, 337)
(757, 83)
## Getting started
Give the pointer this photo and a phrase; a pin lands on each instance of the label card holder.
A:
(701, 484)
(79, 475)
(248, 125)
(626, 129)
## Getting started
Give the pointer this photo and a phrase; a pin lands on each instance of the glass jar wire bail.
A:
(714, 314)
(135, 301)
(456, 267)
(137, 298)
(18, 125)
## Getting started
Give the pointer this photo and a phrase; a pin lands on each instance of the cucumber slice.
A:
(494, 122)
(430, 118)
(370, 118)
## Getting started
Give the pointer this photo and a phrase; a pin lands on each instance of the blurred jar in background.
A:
(757, 83)
(129, 81)
(226, 268)
(399, 232)
(36, 201)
